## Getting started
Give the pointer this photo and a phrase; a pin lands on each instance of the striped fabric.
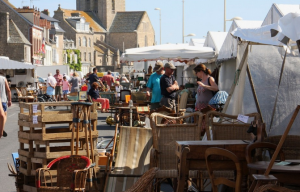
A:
(219, 98)
(133, 157)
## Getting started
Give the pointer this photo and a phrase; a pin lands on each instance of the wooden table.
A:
(288, 174)
(191, 155)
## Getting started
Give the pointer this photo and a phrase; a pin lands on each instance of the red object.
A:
(84, 88)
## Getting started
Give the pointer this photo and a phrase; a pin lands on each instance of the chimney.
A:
(4, 23)
(46, 12)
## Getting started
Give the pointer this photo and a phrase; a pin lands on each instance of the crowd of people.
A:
(164, 87)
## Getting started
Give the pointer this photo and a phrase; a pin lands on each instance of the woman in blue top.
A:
(154, 85)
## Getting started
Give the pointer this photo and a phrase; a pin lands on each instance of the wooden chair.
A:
(252, 154)
(221, 180)
(182, 102)
(71, 174)
(291, 146)
(22, 97)
(164, 137)
(227, 128)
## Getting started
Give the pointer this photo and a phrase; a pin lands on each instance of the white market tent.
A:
(5, 63)
(197, 42)
(177, 52)
(215, 40)
(257, 86)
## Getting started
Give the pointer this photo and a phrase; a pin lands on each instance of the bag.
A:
(213, 92)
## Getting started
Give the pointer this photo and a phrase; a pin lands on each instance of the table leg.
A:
(183, 169)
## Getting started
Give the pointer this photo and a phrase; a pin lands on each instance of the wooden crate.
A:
(48, 134)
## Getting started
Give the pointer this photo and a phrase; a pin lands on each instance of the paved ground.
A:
(10, 144)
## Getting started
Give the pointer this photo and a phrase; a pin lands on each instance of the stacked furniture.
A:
(46, 135)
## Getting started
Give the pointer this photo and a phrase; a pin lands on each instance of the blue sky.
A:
(200, 15)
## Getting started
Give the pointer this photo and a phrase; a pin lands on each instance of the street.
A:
(10, 144)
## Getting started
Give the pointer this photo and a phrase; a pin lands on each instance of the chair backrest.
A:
(252, 153)
(123, 93)
(183, 100)
(228, 127)
(84, 88)
(133, 157)
(290, 147)
(66, 166)
(166, 135)
(23, 91)
(214, 151)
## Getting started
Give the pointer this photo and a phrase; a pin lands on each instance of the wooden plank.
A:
(37, 160)
(24, 105)
(56, 136)
(29, 124)
(26, 141)
(54, 155)
(24, 153)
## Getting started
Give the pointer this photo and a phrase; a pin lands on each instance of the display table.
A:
(194, 159)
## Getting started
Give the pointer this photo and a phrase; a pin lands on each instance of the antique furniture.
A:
(214, 151)
(191, 157)
(71, 174)
(164, 139)
(132, 159)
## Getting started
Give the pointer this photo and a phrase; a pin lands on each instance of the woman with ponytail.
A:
(206, 86)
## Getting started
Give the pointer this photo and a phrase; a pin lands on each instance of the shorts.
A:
(58, 90)
(50, 90)
(65, 92)
(4, 105)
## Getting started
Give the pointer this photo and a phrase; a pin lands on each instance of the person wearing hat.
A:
(168, 86)
(154, 85)
(109, 79)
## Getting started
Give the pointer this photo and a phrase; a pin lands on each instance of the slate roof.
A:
(89, 18)
(15, 35)
(126, 21)
(48, 18)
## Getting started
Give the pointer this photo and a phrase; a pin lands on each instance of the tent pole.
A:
(234, 84)
(274, 108)
(254, 92)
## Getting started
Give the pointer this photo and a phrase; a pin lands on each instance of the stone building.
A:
(104, 9)
(124, 29)
(11, 38)
(84, 28)
(54, 40)
(30, 29)
(131, 29)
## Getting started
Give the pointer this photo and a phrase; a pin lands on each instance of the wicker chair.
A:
(144, 183)
(291, 145)
(164, 138)
(71, 174)
(214, 151)
(228, 127)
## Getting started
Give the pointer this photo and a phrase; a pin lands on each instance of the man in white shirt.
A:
(51, 83)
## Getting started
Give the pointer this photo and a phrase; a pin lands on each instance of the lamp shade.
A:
(219, 98)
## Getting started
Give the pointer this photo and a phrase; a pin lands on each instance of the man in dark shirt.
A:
(93, 77)
(168, 86)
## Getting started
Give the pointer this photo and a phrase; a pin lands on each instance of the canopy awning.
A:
(274, 34)
(6, 63)
(174, 52)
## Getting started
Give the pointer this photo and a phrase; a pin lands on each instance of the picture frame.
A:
(82, 95)
(20, 71)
